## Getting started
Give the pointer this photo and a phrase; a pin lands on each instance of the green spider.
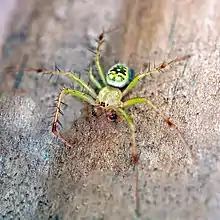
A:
(112, 88)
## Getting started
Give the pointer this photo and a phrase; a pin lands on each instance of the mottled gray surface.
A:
(40, 179)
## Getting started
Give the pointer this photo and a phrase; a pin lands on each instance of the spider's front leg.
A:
(134, 101)
(97, 59)
(78, 94)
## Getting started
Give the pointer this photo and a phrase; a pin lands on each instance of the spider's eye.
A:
(102, 104)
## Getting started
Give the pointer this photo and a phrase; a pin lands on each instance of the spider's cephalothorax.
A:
(109, 97)
(119, 75)
(112, 90)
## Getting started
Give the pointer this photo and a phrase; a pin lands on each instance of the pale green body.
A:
(110, 96)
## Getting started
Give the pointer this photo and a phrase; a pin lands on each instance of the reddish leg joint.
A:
(169, 122)
(135, 158)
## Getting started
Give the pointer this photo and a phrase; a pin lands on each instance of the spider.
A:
(112, 88)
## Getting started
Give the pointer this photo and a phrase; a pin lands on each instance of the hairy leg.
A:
(97, 58)
(78, 94)
(71, 75)
(129, 120)
(149, 72)
(134, 101)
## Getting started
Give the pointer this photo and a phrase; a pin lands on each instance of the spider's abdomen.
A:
(119, 75)
(109, 96)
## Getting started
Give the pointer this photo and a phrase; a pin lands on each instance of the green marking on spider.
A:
(112, 88)
(119, 75)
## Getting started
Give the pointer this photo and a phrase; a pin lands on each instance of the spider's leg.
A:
(129, 120)
(77, 94)
(149, 72)
(19, 76)
(71, 75)
(97, 58)
(137, 100)
(93, 79)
